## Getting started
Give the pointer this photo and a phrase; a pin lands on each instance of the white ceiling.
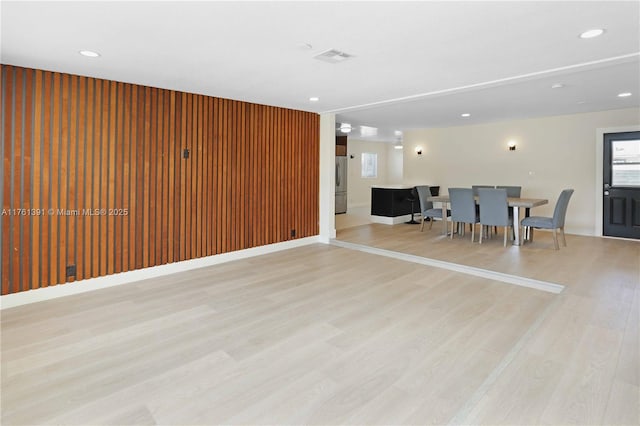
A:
(416, 64)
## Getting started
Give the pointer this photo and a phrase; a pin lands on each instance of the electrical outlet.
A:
(71, 271)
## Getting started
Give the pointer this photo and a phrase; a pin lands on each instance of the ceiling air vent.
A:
(333, 56)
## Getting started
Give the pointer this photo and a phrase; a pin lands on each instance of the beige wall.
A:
(358, 188)
(394, 164)
(552, 153)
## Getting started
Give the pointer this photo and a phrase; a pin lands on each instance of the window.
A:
(369, 165)
(625, 164)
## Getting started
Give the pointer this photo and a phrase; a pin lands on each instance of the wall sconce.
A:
(419, 150)
(512, 145)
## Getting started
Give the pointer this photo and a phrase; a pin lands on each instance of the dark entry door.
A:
(621, 177)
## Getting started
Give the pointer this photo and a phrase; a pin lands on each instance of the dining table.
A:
(516, 203)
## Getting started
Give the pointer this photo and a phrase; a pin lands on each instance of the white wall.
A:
(359, 188)
(552, 153)
(327, 199)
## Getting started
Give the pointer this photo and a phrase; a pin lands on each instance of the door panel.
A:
(618, 210)
(621, 178)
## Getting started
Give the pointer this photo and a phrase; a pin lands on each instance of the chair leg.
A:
(481, 232)
(452, 228)
(555, 239)
(506, 229)
(530, 233)
(473, 232)
(564, 240)
(430, 223)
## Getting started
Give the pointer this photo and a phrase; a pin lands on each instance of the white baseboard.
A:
(390, 220)
(82, 286)
(358, 206)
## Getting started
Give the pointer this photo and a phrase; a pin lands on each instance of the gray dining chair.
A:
(426, 207)
(512, 191)
(476, 187)
(494, 210)
(463, 209)
(554, 223)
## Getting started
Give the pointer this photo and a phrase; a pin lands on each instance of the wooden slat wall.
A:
(74, 144)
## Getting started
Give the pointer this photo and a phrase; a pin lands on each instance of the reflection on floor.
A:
(355, 216)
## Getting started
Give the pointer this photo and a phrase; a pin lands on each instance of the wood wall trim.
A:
(77, 144)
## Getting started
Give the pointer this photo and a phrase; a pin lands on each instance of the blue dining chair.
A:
(512, 191)
(463, 209)
(494, 210)
(426, 207)
(555, 222)
(475, 188)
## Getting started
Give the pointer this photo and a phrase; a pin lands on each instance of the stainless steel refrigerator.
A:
(341, 184)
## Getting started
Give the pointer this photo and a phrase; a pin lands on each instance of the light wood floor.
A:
(327, 335)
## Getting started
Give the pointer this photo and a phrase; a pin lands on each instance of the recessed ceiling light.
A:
(581, 102)
(397, 146)
(345, 127)
(89, 53)
(314, 99)
(557, 86)
(465, 115)
(592, 33)
(624, 95)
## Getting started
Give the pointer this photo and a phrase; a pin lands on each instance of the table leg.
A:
(516, 226)
(445, 226)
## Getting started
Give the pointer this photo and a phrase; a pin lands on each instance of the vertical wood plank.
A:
(47, 245)
(171, 177)
(193, 163)
(197, 181)
(111, 179)
(106, 240)
(27, 140)
(150, 181)
(115, 178)
(126, 174)
(63, 144)
(88, 185)
(145, 188)
(81, 179)
(183, 179)
(178, 233)
(189, 184)
(71, 166)
(16, 172)
(218, 172)
(54, 178)
(222, 188)
(36, 203)
(205, 176)
(233, 175)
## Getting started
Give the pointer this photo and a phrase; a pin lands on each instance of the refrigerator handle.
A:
(337, 176)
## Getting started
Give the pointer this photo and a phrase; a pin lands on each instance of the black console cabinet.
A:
(393, 202)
